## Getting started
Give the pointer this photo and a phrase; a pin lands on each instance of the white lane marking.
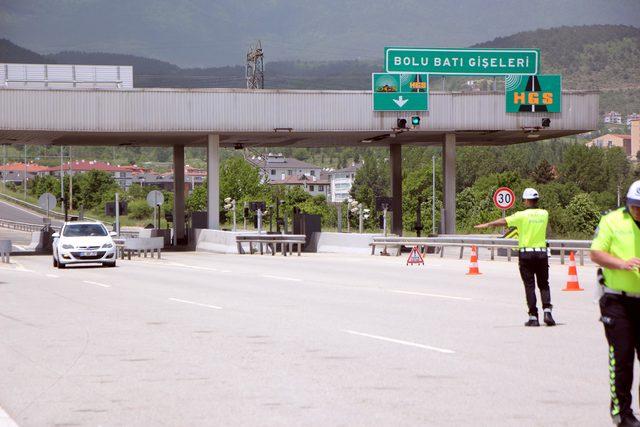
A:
(20, 267)
(196, 303)
(89, 282)
(225, 271)
(6, 420)
(194, 267)
(397, 291)
(409, 343)
(291, 279)
(53, 276)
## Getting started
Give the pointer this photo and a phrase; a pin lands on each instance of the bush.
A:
(581, 216)
(138, 209)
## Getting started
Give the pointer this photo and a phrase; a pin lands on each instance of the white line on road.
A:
(291, 279)
(196, 303)
(409, 343)
(53, 276)
(89, 282)
(6, 420)
(397, 291)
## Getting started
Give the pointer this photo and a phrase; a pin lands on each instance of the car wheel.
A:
(109, 264)
(55, 262)
(61, 265)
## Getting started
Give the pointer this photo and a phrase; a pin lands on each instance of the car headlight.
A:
(65, 246)
(107, 245)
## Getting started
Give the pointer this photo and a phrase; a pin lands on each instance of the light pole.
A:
(433, 194)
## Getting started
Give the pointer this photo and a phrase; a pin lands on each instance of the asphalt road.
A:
(11, 212)
(320, 340)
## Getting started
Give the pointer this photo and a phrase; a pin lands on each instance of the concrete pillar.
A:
(178, 194)
(395, 159)
(449, 175)
(213, 182)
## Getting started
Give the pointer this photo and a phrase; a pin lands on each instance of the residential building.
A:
(613, 117)
(15, 172)
(342, 181)
(316, 186)
(613, 140)
(635, 138)
(632, 117)
(122, 174)
(275, 168)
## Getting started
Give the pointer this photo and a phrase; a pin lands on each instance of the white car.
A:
(83, 243)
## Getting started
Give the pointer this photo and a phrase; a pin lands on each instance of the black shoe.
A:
(548, 319)
(533, 321)
(629, 420)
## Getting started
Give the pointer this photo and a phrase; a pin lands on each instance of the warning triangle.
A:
(415, 257)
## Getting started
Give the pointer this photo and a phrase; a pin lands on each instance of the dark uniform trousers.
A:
(621, 319)
(534, 266)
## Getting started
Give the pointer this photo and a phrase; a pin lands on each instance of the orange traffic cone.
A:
(572, 281)
(473, 264)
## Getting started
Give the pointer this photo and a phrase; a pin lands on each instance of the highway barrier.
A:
(5, 251)
(491, 243)
(141, 245)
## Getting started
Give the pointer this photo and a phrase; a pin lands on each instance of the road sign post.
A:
(154, 199)
(532, 94)
(469, 61)
(400, 92)
(47, 201)
(504, 198)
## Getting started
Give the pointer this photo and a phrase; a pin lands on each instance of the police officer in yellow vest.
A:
(616, 247)
(533, 256)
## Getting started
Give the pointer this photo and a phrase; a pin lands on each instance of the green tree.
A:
(93, 188)
(239, 179)
(581, 216)
(543, 173)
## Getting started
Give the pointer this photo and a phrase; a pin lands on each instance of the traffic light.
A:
(546, 122)
(401, 123)
(415, 121)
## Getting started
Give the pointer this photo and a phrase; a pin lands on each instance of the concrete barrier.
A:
(141, 245)
(342, 243)
(218, 241)
(5, 251)
(156, 232)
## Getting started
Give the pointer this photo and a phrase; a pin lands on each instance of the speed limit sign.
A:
(504, 198)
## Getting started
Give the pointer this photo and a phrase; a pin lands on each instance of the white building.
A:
(613, 117)
(277, 168)
(342, 181)
(632, 117)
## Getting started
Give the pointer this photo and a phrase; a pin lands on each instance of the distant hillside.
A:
(10, 52)
(594, 56)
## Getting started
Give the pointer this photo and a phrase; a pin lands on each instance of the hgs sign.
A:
(542, 93)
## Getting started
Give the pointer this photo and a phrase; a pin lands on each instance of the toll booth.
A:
(306, 224)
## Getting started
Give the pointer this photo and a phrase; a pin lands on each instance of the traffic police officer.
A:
(533, 256)
(616, 248)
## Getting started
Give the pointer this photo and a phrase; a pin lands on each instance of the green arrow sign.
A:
(542, 93)
(400, 92)
(462, 61)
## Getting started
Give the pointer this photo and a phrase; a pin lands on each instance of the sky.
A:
(204, 33)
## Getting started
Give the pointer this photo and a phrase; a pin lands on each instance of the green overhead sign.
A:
(533, 94)
(492, 62)
(400, 92)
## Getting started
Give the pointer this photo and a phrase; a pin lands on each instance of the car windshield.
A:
(84, 230)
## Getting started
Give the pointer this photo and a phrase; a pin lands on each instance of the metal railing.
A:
(20, 226)
(491, 243)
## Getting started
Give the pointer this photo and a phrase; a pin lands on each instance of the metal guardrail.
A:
(23, 226)
(559, 245)
(271, 241)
